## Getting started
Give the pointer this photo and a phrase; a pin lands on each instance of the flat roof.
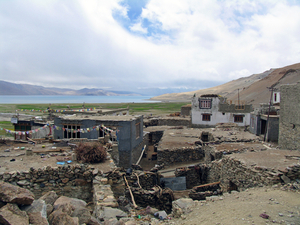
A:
(100, 118)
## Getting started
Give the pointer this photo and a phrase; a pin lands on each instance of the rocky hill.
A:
(253, 89)
(7, 88)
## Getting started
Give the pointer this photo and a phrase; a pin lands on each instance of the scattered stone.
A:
(265, 216)
(182, 206)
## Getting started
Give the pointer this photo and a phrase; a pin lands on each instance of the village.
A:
(158, 169)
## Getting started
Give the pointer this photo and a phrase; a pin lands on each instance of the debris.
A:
(265, 216)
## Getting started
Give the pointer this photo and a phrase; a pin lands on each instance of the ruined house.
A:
(209, 110)
(289, 122)
(125, 131)
(263, 125)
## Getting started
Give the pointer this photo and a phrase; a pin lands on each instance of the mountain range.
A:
(7, 88)
(254, 89)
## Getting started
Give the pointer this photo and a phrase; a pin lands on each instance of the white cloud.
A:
(172, 43)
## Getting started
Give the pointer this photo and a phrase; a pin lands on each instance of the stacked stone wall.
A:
(73, 181)
(180, 121)
(186, 154)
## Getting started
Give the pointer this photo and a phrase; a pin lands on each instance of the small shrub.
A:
(90, 152)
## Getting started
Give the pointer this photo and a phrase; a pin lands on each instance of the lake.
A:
(40, 99)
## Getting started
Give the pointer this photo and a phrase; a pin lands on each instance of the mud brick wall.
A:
(289, 121)
(73, 181)
(168, 157)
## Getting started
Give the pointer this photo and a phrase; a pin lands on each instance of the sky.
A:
(133, 45)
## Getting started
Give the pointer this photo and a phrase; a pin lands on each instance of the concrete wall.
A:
(289, 122)
(220, 112)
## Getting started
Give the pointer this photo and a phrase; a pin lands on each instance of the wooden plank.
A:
(206, 185)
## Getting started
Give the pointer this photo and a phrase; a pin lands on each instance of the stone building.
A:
(209, 110)
(289, 122)
(127, 131)
(260, 124)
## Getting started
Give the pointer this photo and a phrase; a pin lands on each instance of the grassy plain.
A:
(134, 108)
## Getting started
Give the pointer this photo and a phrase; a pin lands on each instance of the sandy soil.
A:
(17, 160)
(282, 207)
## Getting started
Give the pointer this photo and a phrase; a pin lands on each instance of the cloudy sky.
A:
(137, 44)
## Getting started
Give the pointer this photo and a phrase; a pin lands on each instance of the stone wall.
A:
(186, 154)
(168, 121)
(289, 121)
(186, 110)
(71, 180)
(233, 173)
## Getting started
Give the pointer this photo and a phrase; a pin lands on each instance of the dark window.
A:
(137, 130)
(206, 117)
(238, 118)
(205, 103)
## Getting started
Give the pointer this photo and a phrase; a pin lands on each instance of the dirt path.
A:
(283, 207)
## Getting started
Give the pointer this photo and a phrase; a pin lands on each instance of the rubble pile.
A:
(21, 208)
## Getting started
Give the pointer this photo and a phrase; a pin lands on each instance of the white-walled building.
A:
(209, 110)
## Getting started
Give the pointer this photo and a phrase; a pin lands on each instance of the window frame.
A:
(206, 117)
(205, 103)
(239, 118)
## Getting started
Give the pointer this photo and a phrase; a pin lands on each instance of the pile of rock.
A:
(19, 207)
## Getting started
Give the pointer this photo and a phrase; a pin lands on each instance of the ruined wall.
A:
(172, 121)
(289, 122)
(186, 110)
(73, 181)
(233, 173)
(187, 154)
(136, 152)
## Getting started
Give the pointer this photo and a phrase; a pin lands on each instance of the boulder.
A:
(110, 213)
(37, 212)
(61, 218)
(182, 206)
(14, 194)
(74, 202)
(11, 214)
(49, 198)
(83, 215)
(94, 221)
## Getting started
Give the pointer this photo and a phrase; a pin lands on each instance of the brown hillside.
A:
(259, 92)
(252, 89)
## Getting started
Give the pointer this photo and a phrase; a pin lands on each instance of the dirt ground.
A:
(282, 207)
(17, 160)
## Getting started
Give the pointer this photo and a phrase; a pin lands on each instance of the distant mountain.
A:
(253, 89)
(7, 88)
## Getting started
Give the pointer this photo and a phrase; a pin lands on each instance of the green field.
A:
(135, 108)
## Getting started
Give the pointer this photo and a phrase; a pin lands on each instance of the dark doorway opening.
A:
(263, 126)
